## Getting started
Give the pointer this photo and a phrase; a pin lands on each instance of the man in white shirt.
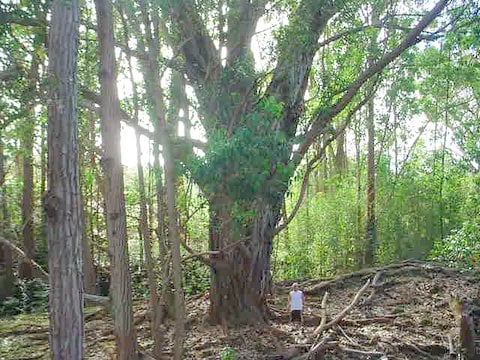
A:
(296, 301)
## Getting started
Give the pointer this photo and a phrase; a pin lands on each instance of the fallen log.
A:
(402, 267)
(322, 327)
(89, 298)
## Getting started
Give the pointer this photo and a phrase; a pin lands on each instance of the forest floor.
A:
(408, 317)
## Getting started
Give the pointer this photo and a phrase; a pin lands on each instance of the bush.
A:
(196, 277)
(30, 296)
(228, 353)
(461, 248)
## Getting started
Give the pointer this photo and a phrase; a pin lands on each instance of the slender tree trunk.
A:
(371, 228)
(371, 232)
(62, 202)
(156, 96)
(26, 269)
(442, 178)
(144, 227)
(156, 320)
(6, 260)
(120, 286)
(358, 177)
(340, 155)
(89, 276)
(174, 237)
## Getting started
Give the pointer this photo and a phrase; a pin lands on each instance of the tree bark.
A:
(149, 262)
(6, 259)
(371, 227)
(26, 270)
(144, 227)
(62, 202)
(340, 155)
(89, 275)
(240, 274)
(120, 287)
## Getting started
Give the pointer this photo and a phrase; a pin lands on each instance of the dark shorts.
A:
(296, 315)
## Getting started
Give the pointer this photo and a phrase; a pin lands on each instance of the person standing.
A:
(296, 301)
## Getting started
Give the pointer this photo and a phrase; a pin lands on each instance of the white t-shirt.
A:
(296, 300)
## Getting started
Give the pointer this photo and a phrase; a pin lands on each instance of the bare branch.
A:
(318, 331)
(101, 300)
(9, 18)
(242, 22)
(202, 61)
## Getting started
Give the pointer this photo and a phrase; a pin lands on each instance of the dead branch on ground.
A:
(94, 299)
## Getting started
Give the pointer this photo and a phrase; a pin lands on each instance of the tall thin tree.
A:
(62, 201)
(120, 286)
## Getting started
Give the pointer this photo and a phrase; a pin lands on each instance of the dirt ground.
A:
(409, 316)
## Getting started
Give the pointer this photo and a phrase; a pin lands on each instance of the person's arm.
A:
(289, 302)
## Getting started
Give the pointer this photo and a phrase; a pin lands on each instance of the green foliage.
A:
(196, 277)
(461, 248)
(228, 353)
(30, 296)
(240, 164)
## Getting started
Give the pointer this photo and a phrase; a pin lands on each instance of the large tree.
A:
(62, 201)
(259, 127)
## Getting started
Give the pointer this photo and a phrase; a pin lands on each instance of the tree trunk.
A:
(62, 202)
(149, 262)
(358, 178)
(371, 229)
(89, 276)
(26, 269)
(340, 155)
(240, 274)
(174, 237)
(6, 260)
(120, 286)
(144, 228)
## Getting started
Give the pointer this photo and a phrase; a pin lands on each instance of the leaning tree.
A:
(259, 124)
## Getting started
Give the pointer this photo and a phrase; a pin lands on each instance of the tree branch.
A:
(412, 38)
(10, 74)
(242, 21)
(312, 164)
(297, 49)
(101, 300)
(10, 18)
(318, 331)
(202, 61)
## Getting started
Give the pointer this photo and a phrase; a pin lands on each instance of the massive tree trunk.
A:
(120, 286)
(62, 202)
(240, 272)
